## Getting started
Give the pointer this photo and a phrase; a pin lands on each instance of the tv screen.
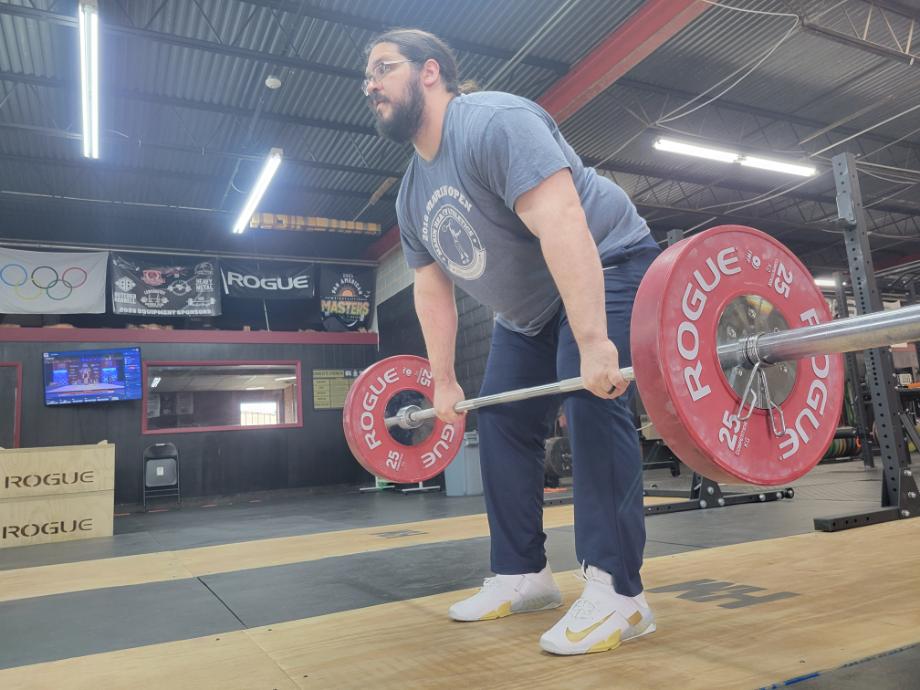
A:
(90, 376)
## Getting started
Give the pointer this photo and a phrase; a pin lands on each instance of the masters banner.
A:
(346, 297)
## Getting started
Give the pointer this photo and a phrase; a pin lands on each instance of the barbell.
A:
(734, 353)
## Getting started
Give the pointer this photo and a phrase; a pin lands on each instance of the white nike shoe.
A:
(503, 595)
(600, 619)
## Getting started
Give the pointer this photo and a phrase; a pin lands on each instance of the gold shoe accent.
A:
(500, 612)
(611, 642)
(579, 636)
(635, 619)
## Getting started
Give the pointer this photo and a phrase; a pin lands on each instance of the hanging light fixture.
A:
(88, 12)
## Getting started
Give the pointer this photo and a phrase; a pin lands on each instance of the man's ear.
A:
(430, 72)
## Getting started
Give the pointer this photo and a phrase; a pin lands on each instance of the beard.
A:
(405, 118)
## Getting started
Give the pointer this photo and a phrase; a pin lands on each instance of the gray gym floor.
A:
(72, 624)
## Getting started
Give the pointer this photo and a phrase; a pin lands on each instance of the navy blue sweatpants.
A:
(607, 460)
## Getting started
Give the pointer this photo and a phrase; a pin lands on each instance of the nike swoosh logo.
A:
(579, 636)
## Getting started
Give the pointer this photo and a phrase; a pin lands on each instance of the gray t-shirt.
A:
(458, 209)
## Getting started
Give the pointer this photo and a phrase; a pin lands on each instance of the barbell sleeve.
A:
(864, 332)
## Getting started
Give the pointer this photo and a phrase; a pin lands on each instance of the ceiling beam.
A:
(733, 184)
(281, 118)
(194, 151)
(645, 31)
(373, 25)
(832, 255)
(628, 82)
(858, 43)
(89, 166)
(183, 42)
(245, 53)
(752, 110)
(157, 99)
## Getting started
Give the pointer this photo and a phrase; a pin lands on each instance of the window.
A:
(258, 413)
(212, 396)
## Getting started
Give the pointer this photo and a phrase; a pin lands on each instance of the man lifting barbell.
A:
(496, 201)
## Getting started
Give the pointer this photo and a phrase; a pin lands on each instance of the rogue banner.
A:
(267, 279)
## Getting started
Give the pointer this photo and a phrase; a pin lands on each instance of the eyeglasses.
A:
(378, 72)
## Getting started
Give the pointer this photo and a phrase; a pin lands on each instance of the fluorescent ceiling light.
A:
(255, 196)
(256, 388)
(88, 13)
(778, 166)
(726, 156)
(155, 382)
(664, 144)
(825, 282)
(286, 378)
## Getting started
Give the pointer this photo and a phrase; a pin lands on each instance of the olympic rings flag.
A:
(52, 282)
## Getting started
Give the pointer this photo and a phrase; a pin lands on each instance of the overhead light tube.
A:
(713, 154)
(728, 156)
(255, 196)
(88, 12)
(777, 166)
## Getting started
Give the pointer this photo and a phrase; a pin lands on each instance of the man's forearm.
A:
(437, 314)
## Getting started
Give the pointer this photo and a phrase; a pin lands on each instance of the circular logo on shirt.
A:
(456, 244)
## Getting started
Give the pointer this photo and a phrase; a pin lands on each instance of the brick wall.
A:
(393, 276)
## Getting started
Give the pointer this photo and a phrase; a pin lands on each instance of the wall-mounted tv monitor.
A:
(92, 376)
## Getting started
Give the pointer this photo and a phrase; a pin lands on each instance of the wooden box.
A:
(55, 494)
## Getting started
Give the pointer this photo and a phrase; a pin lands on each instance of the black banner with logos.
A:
(267, 280)
(164, 286)
(345, 297)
